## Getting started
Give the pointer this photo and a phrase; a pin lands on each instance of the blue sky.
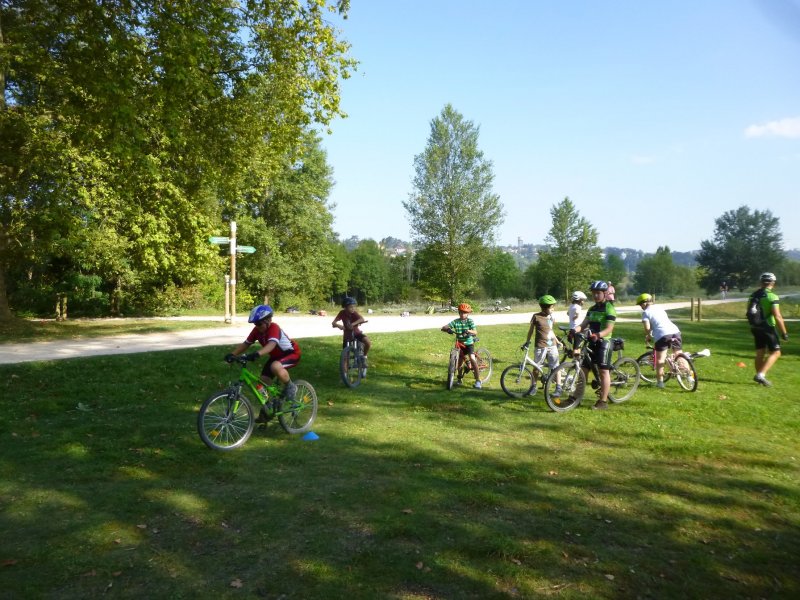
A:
(653, 117)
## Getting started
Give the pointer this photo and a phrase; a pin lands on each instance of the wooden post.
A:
(227, 298)
(233, 270)
(699, 311)
(691, 309)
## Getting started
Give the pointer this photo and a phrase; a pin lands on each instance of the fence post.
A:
(691, 309)
(699, 311)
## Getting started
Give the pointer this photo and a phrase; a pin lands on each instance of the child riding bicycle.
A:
(348, 320)
(466, 335)
(658, 327)
(546, 342)
(284, 353)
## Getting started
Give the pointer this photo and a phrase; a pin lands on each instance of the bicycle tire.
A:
(573, 386)
(647, 371)
(519, 380)
(349, 368)
(226, 421)
(625, 375)
(451, 368)
(484, 358)
(298, 415)
(685, 372)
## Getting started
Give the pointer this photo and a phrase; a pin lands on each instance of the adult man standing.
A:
(764, 316)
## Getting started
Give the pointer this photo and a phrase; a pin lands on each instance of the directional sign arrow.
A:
(215, 239)
(245, 249)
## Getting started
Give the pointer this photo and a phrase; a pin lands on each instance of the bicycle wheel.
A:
(297, 416)
(451, 368)
(519, 380)
(484, 364)
(573, 386)
(625, 376)
(685, 372)
(226, 420)
(647, 371)
(349, 367)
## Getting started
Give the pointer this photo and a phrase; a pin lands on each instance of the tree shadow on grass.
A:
(396, 499)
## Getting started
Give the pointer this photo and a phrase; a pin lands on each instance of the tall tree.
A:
(453, 211)
(501, 276)
(745, 244)
(658, 274)
(292, 227)
(615, 271)
(370, 274)
(572, 257)
(124, 123)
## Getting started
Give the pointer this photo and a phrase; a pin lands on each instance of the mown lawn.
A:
(411, 492)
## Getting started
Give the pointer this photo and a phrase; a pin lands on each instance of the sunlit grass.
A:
(411, 491)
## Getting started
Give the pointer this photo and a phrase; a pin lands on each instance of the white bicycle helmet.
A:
(578, 296)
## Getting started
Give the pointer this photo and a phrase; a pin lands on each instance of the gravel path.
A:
(296, 326)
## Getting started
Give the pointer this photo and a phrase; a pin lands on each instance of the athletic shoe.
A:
(558, 391)
(363, 373)
(600, 405)
(759, 378)
(263, 416)
(477, 385)
(660, 385)
(458, 382)
(290, 391)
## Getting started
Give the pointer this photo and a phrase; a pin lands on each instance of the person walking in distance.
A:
(611, 293)
(764, 316)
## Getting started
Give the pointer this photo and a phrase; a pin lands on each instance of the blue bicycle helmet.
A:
(347, 301)
(600, 286)
(262, 311)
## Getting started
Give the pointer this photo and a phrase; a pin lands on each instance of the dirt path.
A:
(297, 326)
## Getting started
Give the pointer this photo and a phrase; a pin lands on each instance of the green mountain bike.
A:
(227, 419)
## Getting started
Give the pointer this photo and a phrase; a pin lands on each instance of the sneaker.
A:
(660, 385)
(458, 382)
(759, 378)
(558, 391)
(477, 385)
(290, 391)
(600, 405)
(364, 364)
(263, 416)
(363, 373)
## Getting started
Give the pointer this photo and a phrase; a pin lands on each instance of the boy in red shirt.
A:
(284, 353)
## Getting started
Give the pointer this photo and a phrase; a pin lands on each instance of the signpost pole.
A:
(233, 270)
(227, 298)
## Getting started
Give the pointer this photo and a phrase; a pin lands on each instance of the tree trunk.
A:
(5, 309)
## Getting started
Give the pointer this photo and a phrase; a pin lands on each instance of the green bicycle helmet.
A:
(644, 298)
(547, 300)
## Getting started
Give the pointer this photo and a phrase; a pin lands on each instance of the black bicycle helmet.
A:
(262, 311)
(347, 301)
(598, 286)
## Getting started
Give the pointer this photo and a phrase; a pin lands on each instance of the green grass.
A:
(31, 330)
(411, 492)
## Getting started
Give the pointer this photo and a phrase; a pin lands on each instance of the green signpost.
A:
(245, 249)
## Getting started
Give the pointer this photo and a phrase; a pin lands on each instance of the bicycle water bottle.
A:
(261, 389)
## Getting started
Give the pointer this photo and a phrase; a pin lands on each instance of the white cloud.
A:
(788, 128)
(643, 160)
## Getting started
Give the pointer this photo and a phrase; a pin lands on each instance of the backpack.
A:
(755, 313)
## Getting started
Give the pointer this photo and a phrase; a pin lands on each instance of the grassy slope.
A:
(411, 491)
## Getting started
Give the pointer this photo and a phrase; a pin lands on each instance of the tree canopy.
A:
(745, 244)
(130, 129)
(453, 212)
(572, 257)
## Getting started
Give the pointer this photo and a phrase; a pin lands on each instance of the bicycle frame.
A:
(226, 420)
(515, 377)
